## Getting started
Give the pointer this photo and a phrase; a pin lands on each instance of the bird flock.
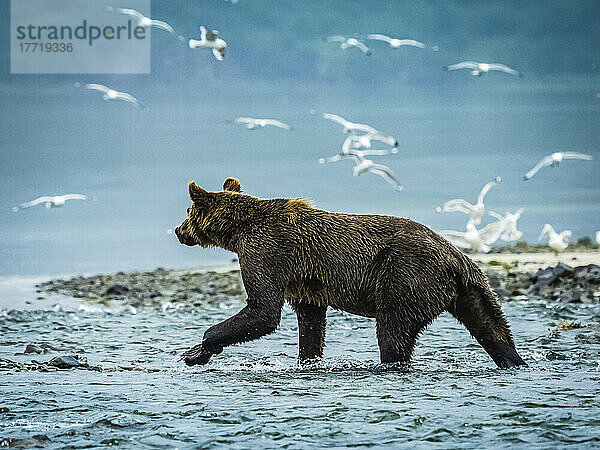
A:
(359, 137)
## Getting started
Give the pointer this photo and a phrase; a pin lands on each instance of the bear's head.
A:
(213, 216)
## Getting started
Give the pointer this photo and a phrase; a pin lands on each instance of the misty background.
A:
(455, 131)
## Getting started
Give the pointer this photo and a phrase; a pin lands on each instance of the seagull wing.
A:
(162, 25)
(363, 47)
(518, 213)
(245, 120)
(575, 155)
(546, 161)
(386, 173)
(492, 231)
(458, 205)
(390, 140)
(130, 99)
(505, 69)
(463, 65)
(380, 37)
(334, 158)
(277, 123)
(219, 53)
(363, 153)
(486, 189)
(98, 87)
(36, 202)
(495, 215)
(565, 235)
(363, 128)
(130, 12)
(337, 119)
(456, 237)
(411, 42)
(74, 197)
(547, 229)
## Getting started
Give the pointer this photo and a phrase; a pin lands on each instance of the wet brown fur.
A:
(395, 270)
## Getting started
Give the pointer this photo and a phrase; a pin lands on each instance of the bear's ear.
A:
(232, 185)
(196, 193)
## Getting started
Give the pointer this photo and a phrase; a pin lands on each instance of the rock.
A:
(36, 441)
(39, 348)
(589, 273)
(32, 348)
(66, 362)
(117, 289)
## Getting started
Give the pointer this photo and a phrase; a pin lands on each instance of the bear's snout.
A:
(183, 237)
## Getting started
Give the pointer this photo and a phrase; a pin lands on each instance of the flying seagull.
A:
(111, 94)
(143, 21)
(474, 239)
(253, 124)
(209, 39)
(353, 128)
(554, 160)
(396, 43)
(50, 202)
(475, 211)
(556, 241)
(363, 165)
(346, 43)
(510, 233)
(478, 69)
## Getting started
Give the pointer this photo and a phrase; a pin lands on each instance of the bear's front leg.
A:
(311, 329)
(249, 324)
(260, 317)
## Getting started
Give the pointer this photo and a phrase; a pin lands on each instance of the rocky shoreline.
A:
(162, 288)
(153, 289)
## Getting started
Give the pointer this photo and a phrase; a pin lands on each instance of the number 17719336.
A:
(45, 47)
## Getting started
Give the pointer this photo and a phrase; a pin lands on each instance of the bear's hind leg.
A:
(397, 332)
(311, 329)
(479, 311)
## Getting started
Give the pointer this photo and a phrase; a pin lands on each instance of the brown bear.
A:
(395, 270)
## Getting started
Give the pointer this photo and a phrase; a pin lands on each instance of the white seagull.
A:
(50, 202)
(554, 160)
(363, 165)
(510, 233)
(346, 43)
(143, 21)
(252, 124)
(474, 239)
(396, 43)
(478, 69)
(111, 94)
(556, 241)
(475, 211)
(352, 127)
(597, 237)
(209, 39)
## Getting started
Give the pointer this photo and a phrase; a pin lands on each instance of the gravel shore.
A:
(568, 277)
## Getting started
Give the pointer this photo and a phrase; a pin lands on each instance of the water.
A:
(254, 395)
